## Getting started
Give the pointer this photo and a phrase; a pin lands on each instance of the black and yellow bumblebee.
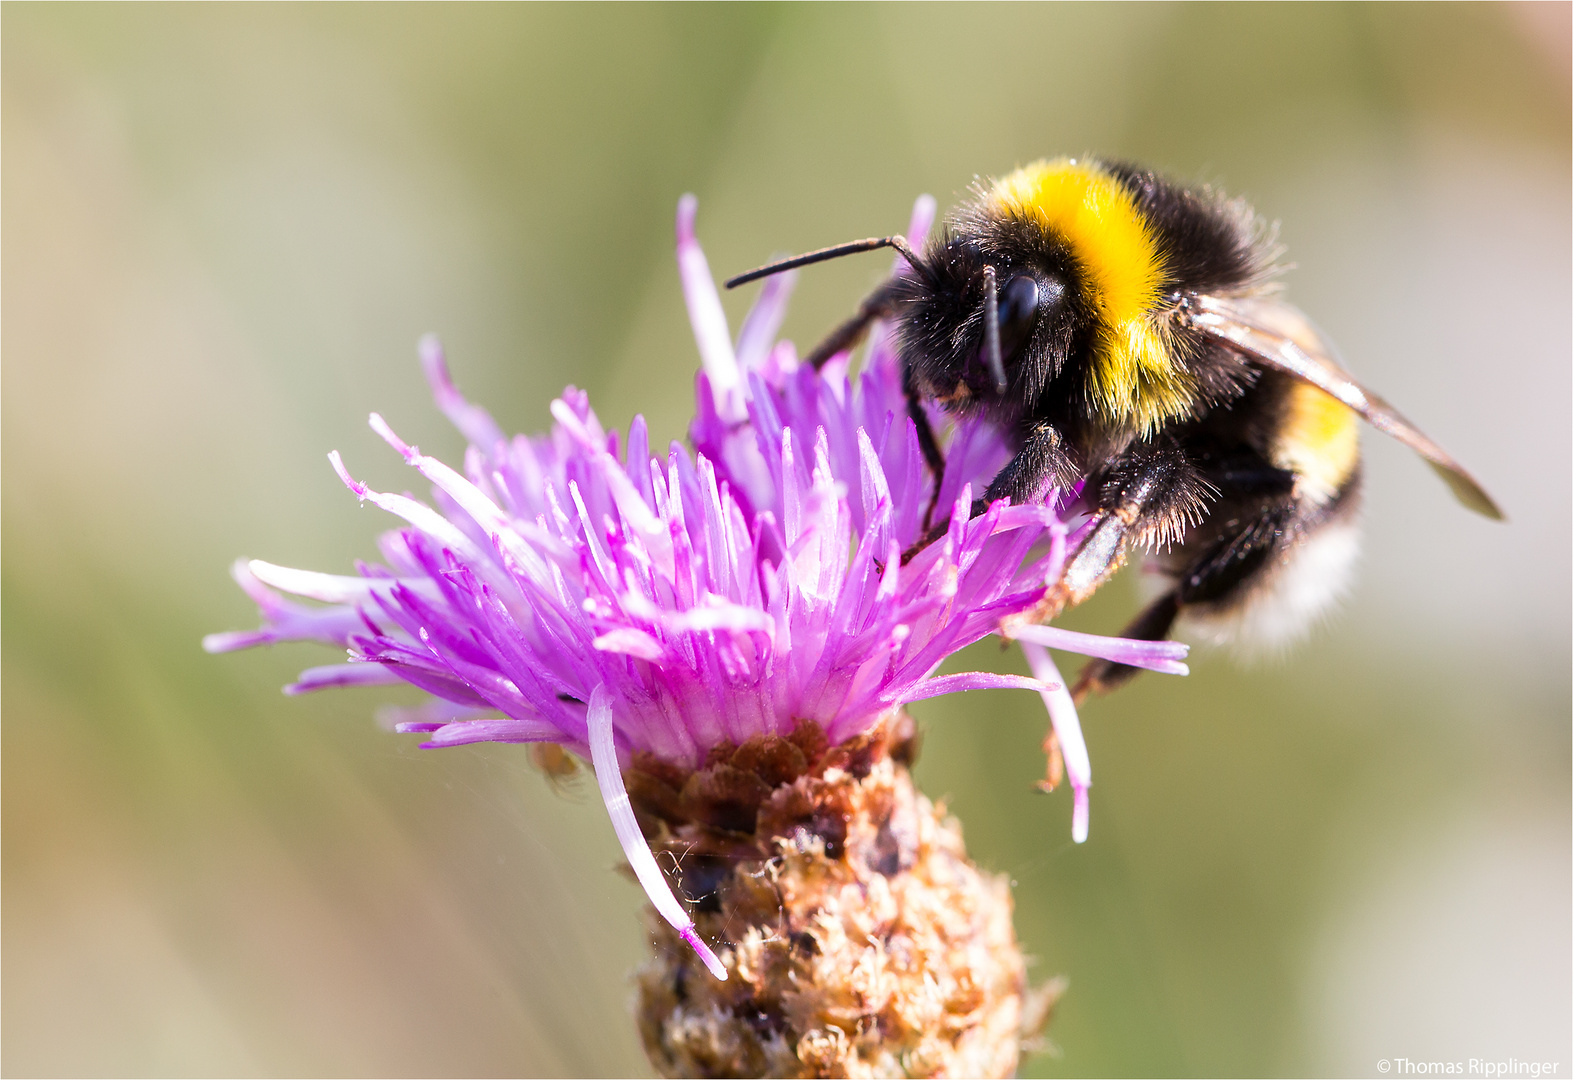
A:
(1127, 332)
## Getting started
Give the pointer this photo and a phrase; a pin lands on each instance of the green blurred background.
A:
(224, 229)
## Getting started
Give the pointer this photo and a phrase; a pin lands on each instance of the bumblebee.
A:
(1127, 333)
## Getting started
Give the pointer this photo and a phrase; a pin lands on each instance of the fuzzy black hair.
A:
(940, 309)
(1209, 242)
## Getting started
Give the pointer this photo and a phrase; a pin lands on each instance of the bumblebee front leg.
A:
(1041, 460)
(879, 304)
(927, 443)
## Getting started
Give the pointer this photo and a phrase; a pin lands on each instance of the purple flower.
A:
(573, 588)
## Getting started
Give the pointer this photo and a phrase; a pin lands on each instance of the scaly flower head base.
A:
(576, 589)
(864, 943)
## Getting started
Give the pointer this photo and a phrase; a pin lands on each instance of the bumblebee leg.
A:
(1224, 568)
(1152, 493)
(1153, 624)
(1042, 459)
(932, 455)
(1236, 558)
(938, 530)
(877, 305)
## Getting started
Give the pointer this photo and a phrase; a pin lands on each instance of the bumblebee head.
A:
(985, 318)
(1053, 272)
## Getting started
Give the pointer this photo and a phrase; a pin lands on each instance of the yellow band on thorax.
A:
(1135, 378)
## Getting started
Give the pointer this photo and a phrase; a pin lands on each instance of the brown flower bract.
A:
(859, 939)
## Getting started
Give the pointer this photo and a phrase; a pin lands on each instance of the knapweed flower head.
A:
(576, 589)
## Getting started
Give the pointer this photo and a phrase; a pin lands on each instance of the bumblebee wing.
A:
(1279, 336)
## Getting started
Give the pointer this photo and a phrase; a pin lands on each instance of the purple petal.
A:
(427, 716)
(734, 617)
(923, 209)
(1160, 656)
(707, 318)
(234, 640)
(763, 322)
(975, 680)
(464, 732)
(630, 642)
(1067, 728)
(335, 675)
(473, 422)
(328, 588)
(418, 515)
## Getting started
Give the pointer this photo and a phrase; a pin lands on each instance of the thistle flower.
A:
(726, 633)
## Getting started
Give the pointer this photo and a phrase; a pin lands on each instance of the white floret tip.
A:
(608, 775)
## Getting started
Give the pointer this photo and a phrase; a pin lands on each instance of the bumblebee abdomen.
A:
(1284, 601)
(1279, 541)
(1318, 440)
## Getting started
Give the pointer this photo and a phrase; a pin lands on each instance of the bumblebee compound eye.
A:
(1018, 313)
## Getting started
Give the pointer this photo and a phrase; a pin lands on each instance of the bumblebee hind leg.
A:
(933, 456)
(1225, 571)
(1153, 624)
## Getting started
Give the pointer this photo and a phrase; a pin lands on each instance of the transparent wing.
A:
(1279, 335)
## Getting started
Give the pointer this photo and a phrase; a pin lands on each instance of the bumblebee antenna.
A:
(991, 330)
(853, 247)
